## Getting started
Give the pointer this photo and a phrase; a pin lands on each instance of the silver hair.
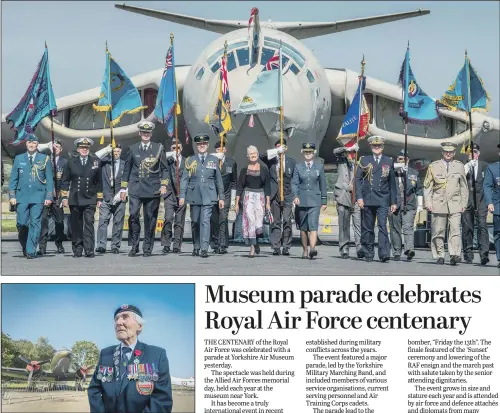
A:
(140, 321)
(252, 148)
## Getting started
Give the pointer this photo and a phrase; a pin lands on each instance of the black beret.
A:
(278, 142)
(118, 145)
(127, 307)
(309, 146)
(201, 138)
(498, 146)
(217, 144)
(58, 141)
(402, 153)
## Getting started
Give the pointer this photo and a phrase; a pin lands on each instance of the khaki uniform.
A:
(446, 191)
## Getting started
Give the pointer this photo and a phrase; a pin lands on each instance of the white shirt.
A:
(129, 354)
(83, 159)
(309, 164)
(377, 158)
(33, 157)
(145, 146)
(117, 167)
(57, 159)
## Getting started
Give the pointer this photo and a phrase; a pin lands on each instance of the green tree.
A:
(24, 348)
(8, 350)
(84, 353)
(44, 351)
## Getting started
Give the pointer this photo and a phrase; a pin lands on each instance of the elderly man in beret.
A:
(131, 377)
(446, 196)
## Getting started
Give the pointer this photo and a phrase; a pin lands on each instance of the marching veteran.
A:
(81, 191)
(375, 194)
(31, 187)
(491, 187)
(145, 178)
(201, 188)
(309, 191)
(446, 196)
(131, 377)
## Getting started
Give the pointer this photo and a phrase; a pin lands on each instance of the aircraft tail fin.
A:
(299, 30)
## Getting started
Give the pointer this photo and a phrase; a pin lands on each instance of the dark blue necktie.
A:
(125, 351)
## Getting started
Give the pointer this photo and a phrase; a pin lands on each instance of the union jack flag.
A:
(168, 61)
(273, 63)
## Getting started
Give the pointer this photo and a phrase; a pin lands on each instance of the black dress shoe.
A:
(24, 253)
(257, 249)
(147, 254)
(286, 251)
(369, 259)
(133, 252)
(41, 252)
(396, 258)
(485, 260)
(215, 250)
(195, 253)
(89, 254)
(166, 250)
(344, 256)
(77, 255)
(115, 250)
(176, 250)
(100, 250)
(385, 258)
(305, 256)
(440, 261)
(498, 265)
(60, 249)
(410, 255)
(276, 251)
(312, 253)
(204, 254)
(222, 251)
(361, 254)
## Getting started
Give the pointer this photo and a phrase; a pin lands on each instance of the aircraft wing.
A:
(299, 30)
(304, 30)
(18, 373)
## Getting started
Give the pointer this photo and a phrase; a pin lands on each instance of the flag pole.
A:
(361, 91)
(405, 118)
(176, 128)
(471, 143)
(282, 167)
(53, 154)
(111, 119)
(222, 103)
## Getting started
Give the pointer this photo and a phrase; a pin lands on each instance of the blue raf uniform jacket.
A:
(123, 396)
(491, 186)
(376, 183)
(202, 184)
(31, 184)
(309, 185)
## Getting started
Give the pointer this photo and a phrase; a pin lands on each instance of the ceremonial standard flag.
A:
(37, 102)
(118, 93)
(265, 94)
(467, 92)
(223, 105)
(417, 106)
(253, 37)
(355, 124)
(167, 99)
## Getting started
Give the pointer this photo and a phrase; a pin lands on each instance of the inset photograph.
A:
(98, 348)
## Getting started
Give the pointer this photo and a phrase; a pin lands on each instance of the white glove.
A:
(281, 149)
(398, 165)
(353, 148)
(218, 155)
(117, 199)
(101, 153)
(42, 147)
(405, 167)
(420, 201)
(233, 198)
(170, 154)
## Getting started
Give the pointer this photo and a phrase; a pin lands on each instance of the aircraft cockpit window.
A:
(200, 73)
(310, 76)
(266, 55)
(218, 54)
(294, 69)
(243, 56)
(231, 61)
(286, 48)
(215, 67)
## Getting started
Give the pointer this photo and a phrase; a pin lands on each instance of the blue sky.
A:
(66, 313)
(76, 33)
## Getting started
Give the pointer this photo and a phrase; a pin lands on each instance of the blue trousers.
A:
(496, 234)
(29, 226)
(368, 215)
(200, 225)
